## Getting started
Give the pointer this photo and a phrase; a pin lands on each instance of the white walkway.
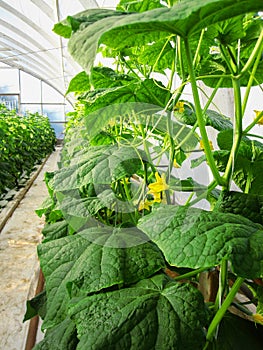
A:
(19, 266)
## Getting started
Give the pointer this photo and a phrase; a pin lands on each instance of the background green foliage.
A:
(25, 141)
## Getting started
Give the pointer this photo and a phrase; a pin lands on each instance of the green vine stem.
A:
(237, 134)
(171, 142)
(219, 76)
(228, 59)
(250, 82)
(124, 192)
(180, 56)
(256, 51)
(198, 48)
(221, 312)
(256, 136)
(176, 95)
(237, 131)
(134, 217)
(190, 274)
(250, 178)
(222, 283)
(210, 99)
(171, 75)
(146, 148)
(169, 125)
(200, 119)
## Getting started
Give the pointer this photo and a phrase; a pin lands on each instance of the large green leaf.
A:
(102, 138)
(84, 207)
(152, 91)
(184, 18)
(79, 211)
(153, 314)
(229, 31)
(134, 44)
(45, 207)
(100, 165)
(225, 141)
(105, 77)
(79, 83)
(130, 111)
(91, 260)
(99, 103)
(245, 204)
(60, 337)
(103, 97)
(217, 120)
(140, 91)
(194, 238)
(212, 118)
(36, 306)
(72, 23)
(56, 230)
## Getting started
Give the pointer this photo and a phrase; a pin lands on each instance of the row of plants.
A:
(25, 141)
(129, 250)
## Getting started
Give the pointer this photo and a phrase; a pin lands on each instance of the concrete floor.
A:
(19, 267)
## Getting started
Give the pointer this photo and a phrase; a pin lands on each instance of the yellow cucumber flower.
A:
(160, 184)
(258, 318)
(202, 145)
(156, 197)
(260, 121)
(125, 180)
(112, 122)
(175, 164)
(145, 204)
(179, 106)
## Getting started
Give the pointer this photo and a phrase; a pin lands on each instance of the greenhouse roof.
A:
(27, 41)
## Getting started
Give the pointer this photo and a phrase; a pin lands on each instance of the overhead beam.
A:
(36, 59)
(28, 21)
(45, 8)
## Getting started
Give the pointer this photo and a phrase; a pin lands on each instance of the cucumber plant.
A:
(25, 141)
(124, 260)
